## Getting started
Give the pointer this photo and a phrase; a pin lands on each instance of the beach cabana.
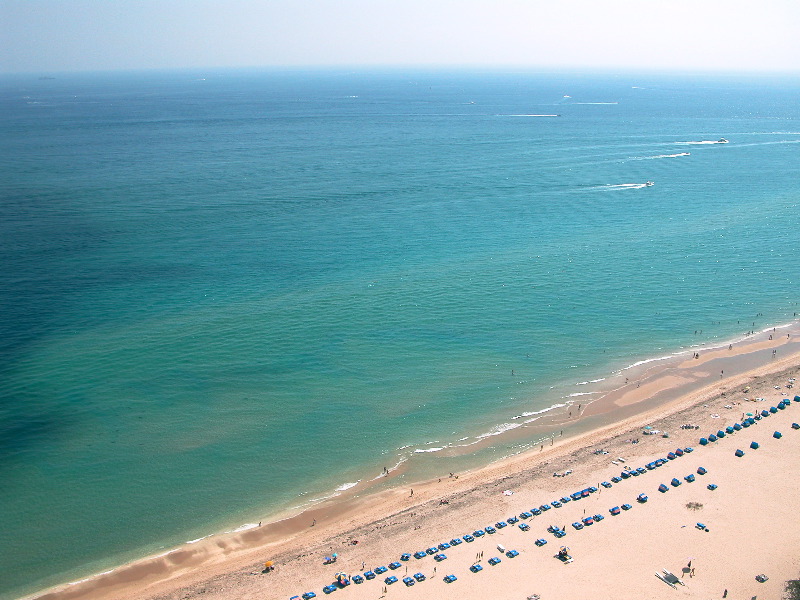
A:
(678, 452)
(671, 456)
(797, 398)
(781, 405)
(689, 477)
(754, 445)
(688, 449)
(739, 453)
(746, 423)
(712, 438)
(795, 426)
(662, 488)
(701, 470)
(773, 409)
(675, 482)
(777, 435)
(737, 426)
(765, 413)
(712, 486)
(614, 510)
(720, 434)
(703, 442)
(729, 429)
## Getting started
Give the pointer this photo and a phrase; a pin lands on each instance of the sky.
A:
(48, 36)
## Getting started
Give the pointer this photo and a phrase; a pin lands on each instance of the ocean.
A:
(228, 294)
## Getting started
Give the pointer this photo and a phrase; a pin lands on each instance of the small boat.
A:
(722, 141)
(649, 183)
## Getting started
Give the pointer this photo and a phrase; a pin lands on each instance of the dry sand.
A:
(751, 517)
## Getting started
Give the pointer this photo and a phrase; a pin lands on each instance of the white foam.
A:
(244, 527)
(582, 394)
(591, 381)
(421, 450)
(539, 412)
(198, 539)
(621, 186)
(347, 486)
(498, 429)
(521, 115)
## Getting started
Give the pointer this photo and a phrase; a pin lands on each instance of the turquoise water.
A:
(225, 294)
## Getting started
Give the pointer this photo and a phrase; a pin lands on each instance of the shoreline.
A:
(623, 407)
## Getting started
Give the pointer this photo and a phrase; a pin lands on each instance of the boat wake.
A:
(623, 186)
(679, 154)
(703, 142)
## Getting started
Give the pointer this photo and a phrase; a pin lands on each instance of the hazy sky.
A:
(43, 36)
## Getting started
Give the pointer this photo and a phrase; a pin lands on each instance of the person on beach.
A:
(412, 493)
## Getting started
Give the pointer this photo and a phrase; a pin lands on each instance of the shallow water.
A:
(226, 294)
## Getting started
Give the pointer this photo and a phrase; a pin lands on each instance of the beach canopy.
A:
(765, 413)
(703, 442)
(720, 434)
(754, 445)
(739, 453)
(795, 426)
(751, 420)
(773, 409)
(689, 477)
(746, 423)
(712, 438)
(737, 426)
(662, 488)
(701, 471)
(782, 404)
(729, 429)
(671, 456)
(777, 435)
(675, 481)
(797, 398)
(679, 452)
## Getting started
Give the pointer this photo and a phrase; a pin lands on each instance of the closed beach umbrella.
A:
(754, 445)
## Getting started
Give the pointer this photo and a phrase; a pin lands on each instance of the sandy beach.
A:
(750, 519)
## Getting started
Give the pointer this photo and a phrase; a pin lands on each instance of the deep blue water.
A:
(228, 293)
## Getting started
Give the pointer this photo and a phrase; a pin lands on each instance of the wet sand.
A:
(756, 496)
